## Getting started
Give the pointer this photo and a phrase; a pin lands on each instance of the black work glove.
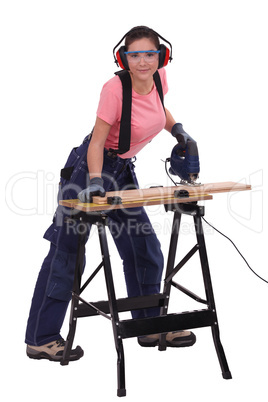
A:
(181, 136)
(95, 188)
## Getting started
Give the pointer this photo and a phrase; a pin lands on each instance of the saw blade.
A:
(191, 181)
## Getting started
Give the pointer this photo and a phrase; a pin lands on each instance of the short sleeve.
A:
(110, 103)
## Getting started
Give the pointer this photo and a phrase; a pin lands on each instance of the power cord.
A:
(176, 184)
(264, 280)
(167, 172)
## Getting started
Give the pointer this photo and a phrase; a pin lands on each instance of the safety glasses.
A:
(149, 56)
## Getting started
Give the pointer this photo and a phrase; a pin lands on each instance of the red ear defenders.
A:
(120, 58)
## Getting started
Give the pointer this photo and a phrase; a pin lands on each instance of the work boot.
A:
(53, 351)
(176, 339)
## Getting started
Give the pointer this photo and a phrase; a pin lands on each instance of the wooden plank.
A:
(155, 196)
(166, 192)
(93, 207)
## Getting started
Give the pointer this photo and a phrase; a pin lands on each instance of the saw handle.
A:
(181, 136)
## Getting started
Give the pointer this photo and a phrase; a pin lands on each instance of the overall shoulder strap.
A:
(125, 126)
(159, 87)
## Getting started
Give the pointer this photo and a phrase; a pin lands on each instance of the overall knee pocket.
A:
(62, 276)
(149, 259)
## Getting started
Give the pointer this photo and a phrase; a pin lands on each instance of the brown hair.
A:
(139, 33)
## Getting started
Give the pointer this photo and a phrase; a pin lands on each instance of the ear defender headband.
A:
(165, 54)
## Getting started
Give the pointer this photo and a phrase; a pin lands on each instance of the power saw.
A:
(184, 160)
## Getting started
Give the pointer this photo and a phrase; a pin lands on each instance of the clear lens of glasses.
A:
(148, 56)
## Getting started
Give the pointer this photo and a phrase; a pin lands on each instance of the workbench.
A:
(181, 200)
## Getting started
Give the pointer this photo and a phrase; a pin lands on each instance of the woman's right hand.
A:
(95, 188)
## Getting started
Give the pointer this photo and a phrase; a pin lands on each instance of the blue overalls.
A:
(133, 235)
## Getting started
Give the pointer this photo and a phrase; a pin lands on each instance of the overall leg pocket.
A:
(62, 276)
(74, 175)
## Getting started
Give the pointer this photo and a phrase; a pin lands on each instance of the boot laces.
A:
(60, 342)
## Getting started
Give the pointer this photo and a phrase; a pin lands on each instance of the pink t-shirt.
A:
(147, 115)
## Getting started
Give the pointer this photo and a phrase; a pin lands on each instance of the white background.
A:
(55, 57)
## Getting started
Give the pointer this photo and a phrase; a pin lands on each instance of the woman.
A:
(95, 168)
